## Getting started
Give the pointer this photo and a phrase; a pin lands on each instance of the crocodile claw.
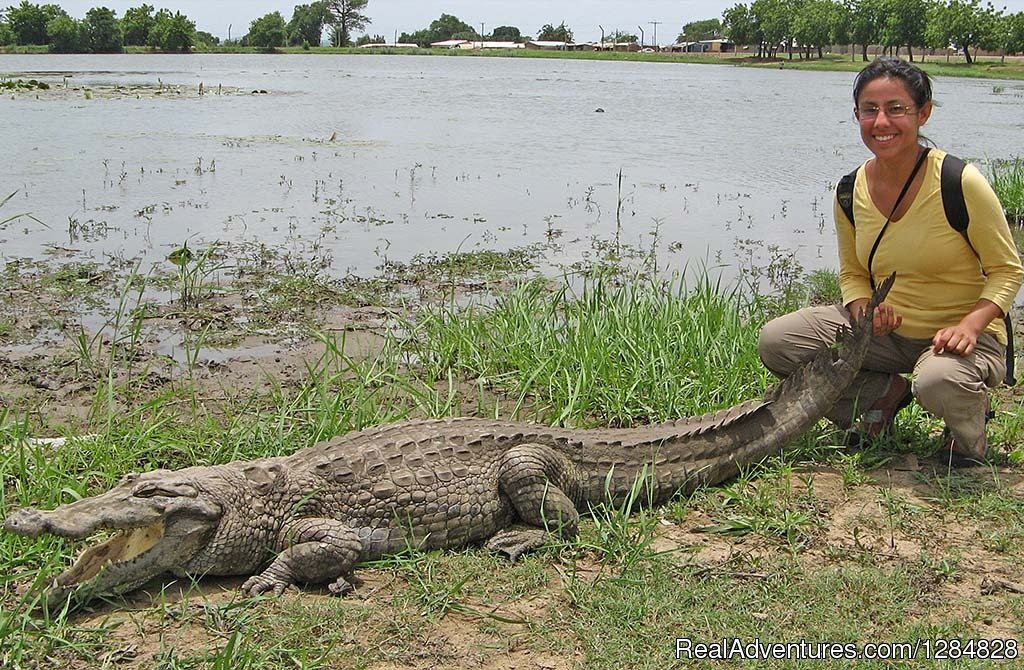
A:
(340, 587)
(260, 584)
(513, 543)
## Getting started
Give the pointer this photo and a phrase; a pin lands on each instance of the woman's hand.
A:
(958, 339)
(886, 319)
(963, 337)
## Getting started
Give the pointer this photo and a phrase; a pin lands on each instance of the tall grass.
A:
(610, 353)
(1008, 183)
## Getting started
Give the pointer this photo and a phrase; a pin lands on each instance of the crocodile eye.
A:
(164, 490)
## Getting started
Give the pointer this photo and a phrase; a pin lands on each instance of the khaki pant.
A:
(949, 386)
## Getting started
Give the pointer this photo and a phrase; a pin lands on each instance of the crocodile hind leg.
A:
(316, 551)
(539, 482)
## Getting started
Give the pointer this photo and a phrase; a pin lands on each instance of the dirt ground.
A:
(166, 615)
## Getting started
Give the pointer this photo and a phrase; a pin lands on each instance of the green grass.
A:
(609, 354)
(987, 68)
(1007, 178)
(582, 352)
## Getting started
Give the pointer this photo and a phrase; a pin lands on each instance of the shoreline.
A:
(984, 67)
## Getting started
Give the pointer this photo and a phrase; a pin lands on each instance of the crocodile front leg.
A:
(315, 551)
(537, 480)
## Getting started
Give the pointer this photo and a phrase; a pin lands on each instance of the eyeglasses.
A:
(893, 111)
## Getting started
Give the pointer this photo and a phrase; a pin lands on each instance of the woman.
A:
(942, 321)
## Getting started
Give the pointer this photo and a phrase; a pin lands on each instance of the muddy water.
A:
(364, 158)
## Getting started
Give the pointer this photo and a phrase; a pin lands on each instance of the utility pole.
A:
(229, 32)
(655, 24)
(481, 34)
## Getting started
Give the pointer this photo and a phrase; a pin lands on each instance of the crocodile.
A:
(311, 517)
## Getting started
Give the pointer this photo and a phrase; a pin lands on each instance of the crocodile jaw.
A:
(159, 525)
(125, 562)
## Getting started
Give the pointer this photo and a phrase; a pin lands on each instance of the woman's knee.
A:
(937, 385)
(785, 343)
(772, 348)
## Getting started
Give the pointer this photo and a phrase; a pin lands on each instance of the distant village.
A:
(702, 46)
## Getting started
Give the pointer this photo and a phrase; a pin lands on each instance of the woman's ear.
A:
(925, 113)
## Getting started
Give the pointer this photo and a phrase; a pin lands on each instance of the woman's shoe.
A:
(958, 457)
(878, 419)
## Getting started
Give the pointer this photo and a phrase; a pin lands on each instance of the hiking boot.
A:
(961, 457)
(879, 418)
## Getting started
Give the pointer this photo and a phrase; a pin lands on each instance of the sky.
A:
(390, 16)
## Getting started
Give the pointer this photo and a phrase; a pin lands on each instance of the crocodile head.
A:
(160, 521)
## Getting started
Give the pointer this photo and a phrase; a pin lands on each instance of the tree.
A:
(841, 32)
(506, 34)
(347, 17)
(903, 22)
(6, 34)
(958, 23)
(695, 31)
(103, 31)
(205, 40)
(997, 33)
(621, 36)
(307, 24)
(1015, 44)
(559, 33)
(446, 27)
(772, 19)
(172, 32)
(366, 38)
(738, 24)
(420, 37)
(866, 23)
(136, 24)
(66, 35)
(269, 31)
(813, 25)
(28, 22)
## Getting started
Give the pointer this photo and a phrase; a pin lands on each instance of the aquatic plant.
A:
(1008, 183)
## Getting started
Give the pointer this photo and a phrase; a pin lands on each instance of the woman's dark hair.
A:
(918, 83)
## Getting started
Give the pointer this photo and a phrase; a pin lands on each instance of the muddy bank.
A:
(51, 86)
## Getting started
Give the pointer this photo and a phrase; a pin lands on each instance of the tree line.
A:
(101, 31)
(797, 26)
(448, 27)
(812, 25)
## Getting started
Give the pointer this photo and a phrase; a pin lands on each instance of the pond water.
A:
(363, 158)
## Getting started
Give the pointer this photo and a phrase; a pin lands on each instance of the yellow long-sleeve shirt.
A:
(939, 276)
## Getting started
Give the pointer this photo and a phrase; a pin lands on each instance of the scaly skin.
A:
(311, 517)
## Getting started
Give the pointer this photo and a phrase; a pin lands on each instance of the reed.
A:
(1007, 177)
(609, 353)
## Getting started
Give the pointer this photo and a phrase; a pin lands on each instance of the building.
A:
(548, 45)
(398, 45)
(451, 44)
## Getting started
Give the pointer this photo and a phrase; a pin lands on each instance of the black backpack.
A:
(953, 204)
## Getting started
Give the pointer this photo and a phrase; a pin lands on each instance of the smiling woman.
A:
(942, 321)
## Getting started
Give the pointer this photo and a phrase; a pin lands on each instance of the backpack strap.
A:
(955, 207)
(844, 194)
(953, 194)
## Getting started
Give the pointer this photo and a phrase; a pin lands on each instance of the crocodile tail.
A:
(853, 341)
(851, 345)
